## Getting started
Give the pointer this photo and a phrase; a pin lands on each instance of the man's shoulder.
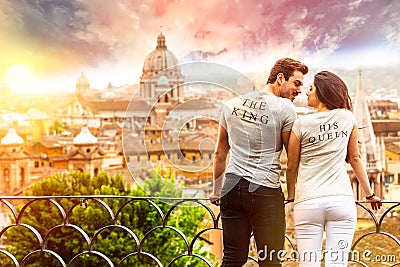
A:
(272, 101)
(286, 104)
(286, 101)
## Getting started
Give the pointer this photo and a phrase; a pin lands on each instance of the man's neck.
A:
(271, 89)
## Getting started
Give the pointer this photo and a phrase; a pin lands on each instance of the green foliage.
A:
(58, 127)
(103, 231)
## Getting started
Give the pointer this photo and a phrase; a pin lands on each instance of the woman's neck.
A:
(322, 108)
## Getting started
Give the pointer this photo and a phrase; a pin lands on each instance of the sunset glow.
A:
(19, 78)
(110, 40)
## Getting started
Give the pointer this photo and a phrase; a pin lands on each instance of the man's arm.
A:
(221, 154)
(285, 139)
(293, 151)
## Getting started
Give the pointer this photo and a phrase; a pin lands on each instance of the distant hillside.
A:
(372, 78)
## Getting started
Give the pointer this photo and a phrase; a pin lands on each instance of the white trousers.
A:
(337, 215)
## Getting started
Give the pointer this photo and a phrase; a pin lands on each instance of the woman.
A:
(319, 146)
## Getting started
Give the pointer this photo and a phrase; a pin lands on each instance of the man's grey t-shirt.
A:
(323, 140)
(254, 123)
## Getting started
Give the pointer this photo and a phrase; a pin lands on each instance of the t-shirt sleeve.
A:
(289, 116)
(222, 120)
(296, 129)
(353, 120)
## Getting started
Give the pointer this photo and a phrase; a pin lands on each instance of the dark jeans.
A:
(261, 212)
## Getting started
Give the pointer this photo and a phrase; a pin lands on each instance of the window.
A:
(6, 174)
(22, 177)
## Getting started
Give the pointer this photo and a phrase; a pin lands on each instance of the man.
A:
(253, 128)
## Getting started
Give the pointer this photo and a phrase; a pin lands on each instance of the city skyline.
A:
(46, 45)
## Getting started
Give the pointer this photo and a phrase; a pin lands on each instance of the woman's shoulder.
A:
(308, 117)
(345, 113)
(304, 120)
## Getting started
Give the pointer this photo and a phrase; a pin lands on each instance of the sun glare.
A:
(19, 78)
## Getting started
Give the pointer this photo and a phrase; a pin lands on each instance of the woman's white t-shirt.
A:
(323, 148)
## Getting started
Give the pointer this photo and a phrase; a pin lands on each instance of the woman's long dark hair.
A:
(332, 91)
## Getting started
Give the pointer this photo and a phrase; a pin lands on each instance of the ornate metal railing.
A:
(376, 241)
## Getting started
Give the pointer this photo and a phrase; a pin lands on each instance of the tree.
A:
(113, 241)
(57, 127)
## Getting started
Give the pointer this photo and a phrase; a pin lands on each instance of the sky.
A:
(45, 45)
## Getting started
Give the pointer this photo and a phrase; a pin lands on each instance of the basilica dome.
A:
(160, 59)
(162, 79)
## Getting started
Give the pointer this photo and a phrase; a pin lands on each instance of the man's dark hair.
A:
(332, 91)
(286, 66)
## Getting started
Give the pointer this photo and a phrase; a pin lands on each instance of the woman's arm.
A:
(358, 167)
(293, 151)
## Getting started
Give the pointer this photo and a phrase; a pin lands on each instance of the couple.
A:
(254, 127)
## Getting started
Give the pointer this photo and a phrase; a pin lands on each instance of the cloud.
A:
(391, 29)
(248, 33)
(198, 55)
(79, 29)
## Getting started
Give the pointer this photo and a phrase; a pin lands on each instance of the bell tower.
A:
(369, 148)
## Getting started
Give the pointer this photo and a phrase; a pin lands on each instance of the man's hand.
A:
(287, 201)
(214, 199)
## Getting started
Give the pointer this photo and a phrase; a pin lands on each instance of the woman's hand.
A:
(376, 202)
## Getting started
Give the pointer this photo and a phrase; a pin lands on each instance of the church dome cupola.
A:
(161, 41)
(12, 138)
(82, 85)
(160, 59)
(85, 137)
